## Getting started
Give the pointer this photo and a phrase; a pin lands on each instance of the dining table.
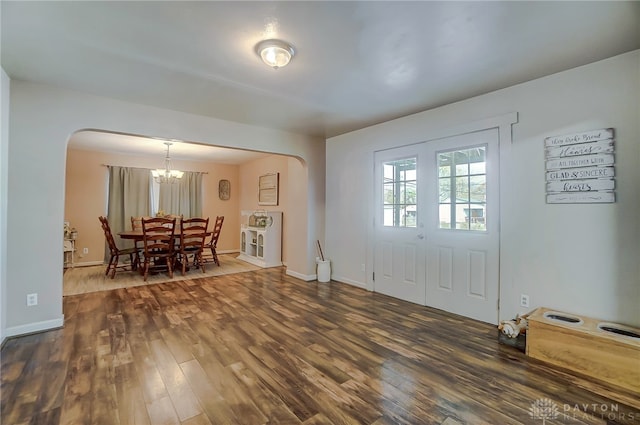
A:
(138, 236)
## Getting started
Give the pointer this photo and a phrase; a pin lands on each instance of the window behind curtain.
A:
(183, 197)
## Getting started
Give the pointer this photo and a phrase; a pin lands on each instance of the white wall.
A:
(42, 119)
(584, 258)
(4, 147)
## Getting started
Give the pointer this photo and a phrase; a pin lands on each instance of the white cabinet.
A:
(262, 245)
(68, 251)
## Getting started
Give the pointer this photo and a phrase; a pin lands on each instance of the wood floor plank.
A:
(225, 383)
(178, 341)
(180, 393)
(161, 412)
(262, 347)
(268, 402)
(130, 399)
(285, 385)
(210, 399)
(198, 420)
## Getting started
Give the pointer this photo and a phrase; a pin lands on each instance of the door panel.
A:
(436, 239)
(462, 239)
(399, 268)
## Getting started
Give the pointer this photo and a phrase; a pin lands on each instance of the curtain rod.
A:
(143, 168)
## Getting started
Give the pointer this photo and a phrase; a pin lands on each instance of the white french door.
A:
(436, 225)
(399, 267)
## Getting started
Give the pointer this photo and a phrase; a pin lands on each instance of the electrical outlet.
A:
(524, 300)
(362, 267)
(85, 250)
(32, 299)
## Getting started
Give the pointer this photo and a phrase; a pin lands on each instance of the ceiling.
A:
(357, 63)
(144, 146)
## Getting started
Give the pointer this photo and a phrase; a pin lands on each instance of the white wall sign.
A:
(603, 146)
(580, 173)
(572, 139)
(581, 161)
(580, 167)
(589, 185)
(580, 198)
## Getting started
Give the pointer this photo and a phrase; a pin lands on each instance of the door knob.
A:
(420, 236)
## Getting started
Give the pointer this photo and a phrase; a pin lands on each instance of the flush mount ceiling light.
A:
(167, 175)
(275, 53)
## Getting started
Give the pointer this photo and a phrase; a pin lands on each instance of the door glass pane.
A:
(445, 216)
(476, 216)
(388, 193)
(387, 214)
(477, 168)
(399, 193)
(388, 171)
(410, 193)
(478, 188)
(444, 190)
(462, 188)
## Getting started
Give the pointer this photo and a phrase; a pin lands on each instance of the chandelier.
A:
(167, 175)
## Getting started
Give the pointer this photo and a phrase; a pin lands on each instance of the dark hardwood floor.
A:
(264, 348)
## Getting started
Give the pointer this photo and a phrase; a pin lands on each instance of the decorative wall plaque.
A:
(224, 190)
(580, 167)
(268, 189)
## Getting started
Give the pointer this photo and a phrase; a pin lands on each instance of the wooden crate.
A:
(585, 349)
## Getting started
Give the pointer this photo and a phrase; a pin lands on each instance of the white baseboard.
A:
(30, 328)
(87, 264)
(349, 281)
(305, 277)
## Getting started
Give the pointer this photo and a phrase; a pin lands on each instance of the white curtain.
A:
(183, 197)
(129, 196)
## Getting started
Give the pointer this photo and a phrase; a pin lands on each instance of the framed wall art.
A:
(224, 190)
(268, 189)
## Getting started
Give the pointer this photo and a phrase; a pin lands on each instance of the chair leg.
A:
(198, 258)
(115, 265)
(106, 272)
(134, 257)
(184, 259)
(215, 256)
(170, 266)
(146, 268)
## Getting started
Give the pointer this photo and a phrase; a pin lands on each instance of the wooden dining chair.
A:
(136, 222)
(158, 244)
(115, 252)
(215, 235)
(193, 232)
